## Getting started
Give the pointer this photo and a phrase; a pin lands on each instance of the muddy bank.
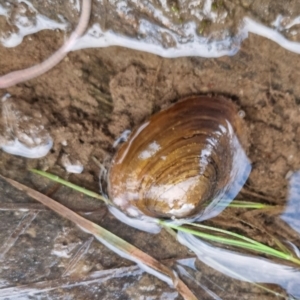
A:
(88, 100)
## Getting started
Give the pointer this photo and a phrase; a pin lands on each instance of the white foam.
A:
(201, 46)
(187, 40)
(271, 34)
(71, 167)
(64, 253)
(198, 46)
(5, 97)
(76, 168)
(22, 135)
(122, 138)
(290, 214)
(26, 27)
(294, 22)
(3, 11)
(183, 39)
(147, 224)
(15, 147)
(243, 267)
(208, 11)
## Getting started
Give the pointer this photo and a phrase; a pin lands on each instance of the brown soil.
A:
(94, 95)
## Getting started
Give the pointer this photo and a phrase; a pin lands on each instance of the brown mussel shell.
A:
(180, 160)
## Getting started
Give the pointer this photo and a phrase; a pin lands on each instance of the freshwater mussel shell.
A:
(181, 162)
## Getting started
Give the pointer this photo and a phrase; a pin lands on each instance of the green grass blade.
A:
(248, 204)
(253, 245)
(244, 238)
(70, 185)
(244, 242)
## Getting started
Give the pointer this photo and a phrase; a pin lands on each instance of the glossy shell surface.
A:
(181, 162)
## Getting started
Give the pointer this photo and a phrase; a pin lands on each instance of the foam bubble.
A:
(147, 224)
(72, 167)
(22, 134)
(271, 34)
(200, 46)
(162, 32)
(27, 25)
(15, 147)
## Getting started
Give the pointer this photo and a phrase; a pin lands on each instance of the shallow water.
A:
(88, 100)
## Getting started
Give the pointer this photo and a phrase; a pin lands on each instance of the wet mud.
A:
(86, 102)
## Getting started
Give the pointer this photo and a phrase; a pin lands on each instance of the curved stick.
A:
(16, 77)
